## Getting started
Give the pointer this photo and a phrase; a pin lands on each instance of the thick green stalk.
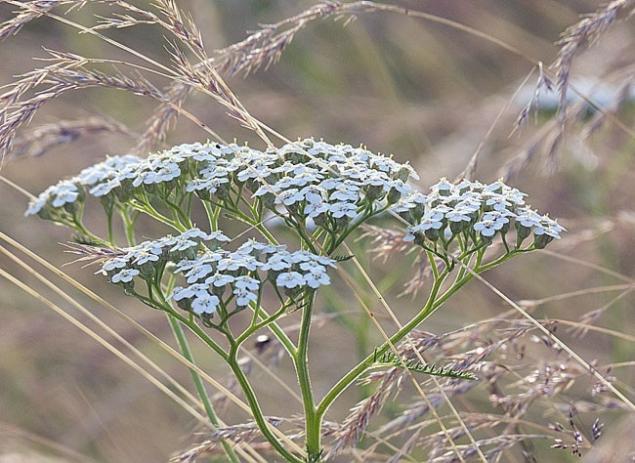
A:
(301, 362)
(433, 303)
(212, 215)
(254, 405)
(198, 384)
(362, 366)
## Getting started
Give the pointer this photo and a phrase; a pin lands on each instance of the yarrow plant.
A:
(321, 192)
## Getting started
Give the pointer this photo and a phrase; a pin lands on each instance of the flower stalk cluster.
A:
(319, 191)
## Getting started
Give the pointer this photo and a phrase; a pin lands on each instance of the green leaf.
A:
(416, 366)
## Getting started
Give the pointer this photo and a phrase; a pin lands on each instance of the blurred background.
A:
(428, 93)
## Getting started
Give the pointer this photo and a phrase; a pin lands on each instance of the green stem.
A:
(191, 324)
(128, 226)
(301, 362)
(431, 304)
(277, 331)
(264, 321)
(352, 226)
(79, 226)
(111, 235)
(254, 405)
(198, 384)
(213, 213)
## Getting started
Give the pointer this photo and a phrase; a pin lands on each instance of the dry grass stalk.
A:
(29, 11)
(91, 254)
(41, 140)
(260, 49)
(385, 242)
(355, 424)
(67, 73)
(543, 83)
(389, 381)
(581, 35)
(237, 434)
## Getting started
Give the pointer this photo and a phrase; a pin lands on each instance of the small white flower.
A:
(183, 244)
(102, 189)
(199, 273)
(141, 258)
(299, 257)
(487, 228)
(432, 220)
(277, 262)
(443, 187)
(265, 190)
(246, 283)
(115, 263)
(125, 275)
(243, 297)
(495, 187)
(514, 196)
(528, 218)
(469, 204)
(207, 258)
(310, 264)
(345, 193)
(331, 184)
(37, 205)
(181, 293)
(339, 210)
(254, 247)
(414, 199)
(313, 195)
(458, 215)
(205, 303)
(397, 185)
(290, 197)
(237, 261)
(375, 178)
(548, 227)
(317, 277)
(208, 184)
(290, 280)
(218, 280)
(64, 192)
(491, 223)
(195, 233)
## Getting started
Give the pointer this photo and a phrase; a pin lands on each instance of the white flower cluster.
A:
(331, 184)
(144, 259)
(476, 211)
(310, 181)
(63, 194)
(219, 277)
(119, 175)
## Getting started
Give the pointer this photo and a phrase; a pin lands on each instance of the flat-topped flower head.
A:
(149, 257)
(238, 277)
(475, 212)
(310, 172)
(62, 195)
(308, 183)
